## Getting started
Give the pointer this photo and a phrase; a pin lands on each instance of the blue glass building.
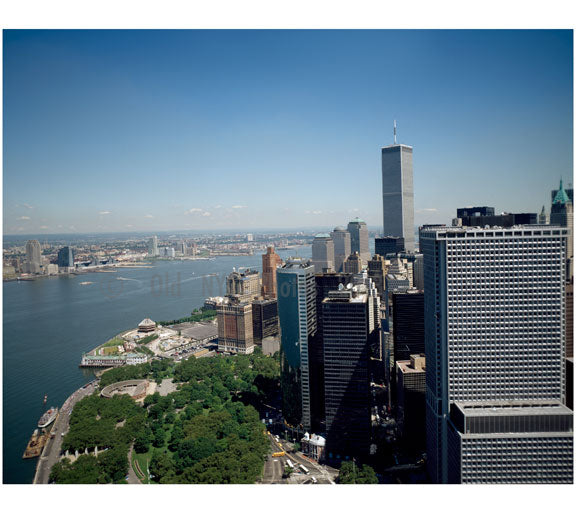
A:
(297, 314)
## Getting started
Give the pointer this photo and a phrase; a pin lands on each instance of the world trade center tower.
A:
(398, 192)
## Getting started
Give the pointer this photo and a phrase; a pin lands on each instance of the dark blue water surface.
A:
(50, 322)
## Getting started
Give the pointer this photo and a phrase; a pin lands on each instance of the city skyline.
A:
(115, 115)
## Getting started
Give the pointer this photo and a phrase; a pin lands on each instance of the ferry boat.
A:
(48, 417)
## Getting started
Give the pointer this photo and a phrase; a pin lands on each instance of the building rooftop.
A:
(489, 231)
(147, 322)
(561, 196)
(506, 408)
(414, 365)
(397, 146)
(295, 263)
(200, 331)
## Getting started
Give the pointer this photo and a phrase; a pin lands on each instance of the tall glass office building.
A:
(494, 322)
(65, 257)
(398, 193)
(297, 314)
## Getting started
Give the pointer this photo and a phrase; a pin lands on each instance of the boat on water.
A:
(48, 417)
(45, 398)
(36, 444)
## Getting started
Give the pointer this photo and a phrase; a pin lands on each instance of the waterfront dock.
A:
(52, 451)
(36, 444)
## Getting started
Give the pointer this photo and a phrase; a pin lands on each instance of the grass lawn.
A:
(116, 341)
(143, 460)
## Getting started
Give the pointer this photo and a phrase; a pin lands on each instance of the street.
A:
(274, 467)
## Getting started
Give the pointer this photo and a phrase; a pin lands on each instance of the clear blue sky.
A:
(158, 130)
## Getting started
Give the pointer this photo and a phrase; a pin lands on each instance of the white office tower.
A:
(323, 253)
(398, 192)
(153, 246)
(342, 247)
(495, 342)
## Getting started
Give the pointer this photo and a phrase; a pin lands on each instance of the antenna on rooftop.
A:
(394, 131)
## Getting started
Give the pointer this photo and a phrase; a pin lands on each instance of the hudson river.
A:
(50, 322)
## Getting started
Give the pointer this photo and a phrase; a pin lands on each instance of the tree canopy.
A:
(207, 431)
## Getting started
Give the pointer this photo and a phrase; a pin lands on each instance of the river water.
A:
(50, 322)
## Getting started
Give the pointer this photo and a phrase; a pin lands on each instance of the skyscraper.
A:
(297, 314)
(342, 247)
(398, 192)
(386, 245)
(408, 323)
(65, 257)
(270, 262)
(33, 256)
(323, 253)
(325, 282)
(153, 246)
(494, 315)
(359, 238)
(346, 330)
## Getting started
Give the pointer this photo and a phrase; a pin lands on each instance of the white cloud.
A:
(129, 226)
(313, 212)
(239, 206)
(44, 227)
(427, 210)
(193, 211)
(148, 216)
(206, 214)
(23, 218)
(104, 212)
(218, 206)
(26, 205)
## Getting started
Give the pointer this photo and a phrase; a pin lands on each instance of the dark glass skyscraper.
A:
(347, 328)
(385, 245)
(66, 257)
(297, 313)
(408, 324)
(264, 319)
(325, 283)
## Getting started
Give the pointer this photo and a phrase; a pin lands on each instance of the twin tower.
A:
(398, 192)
